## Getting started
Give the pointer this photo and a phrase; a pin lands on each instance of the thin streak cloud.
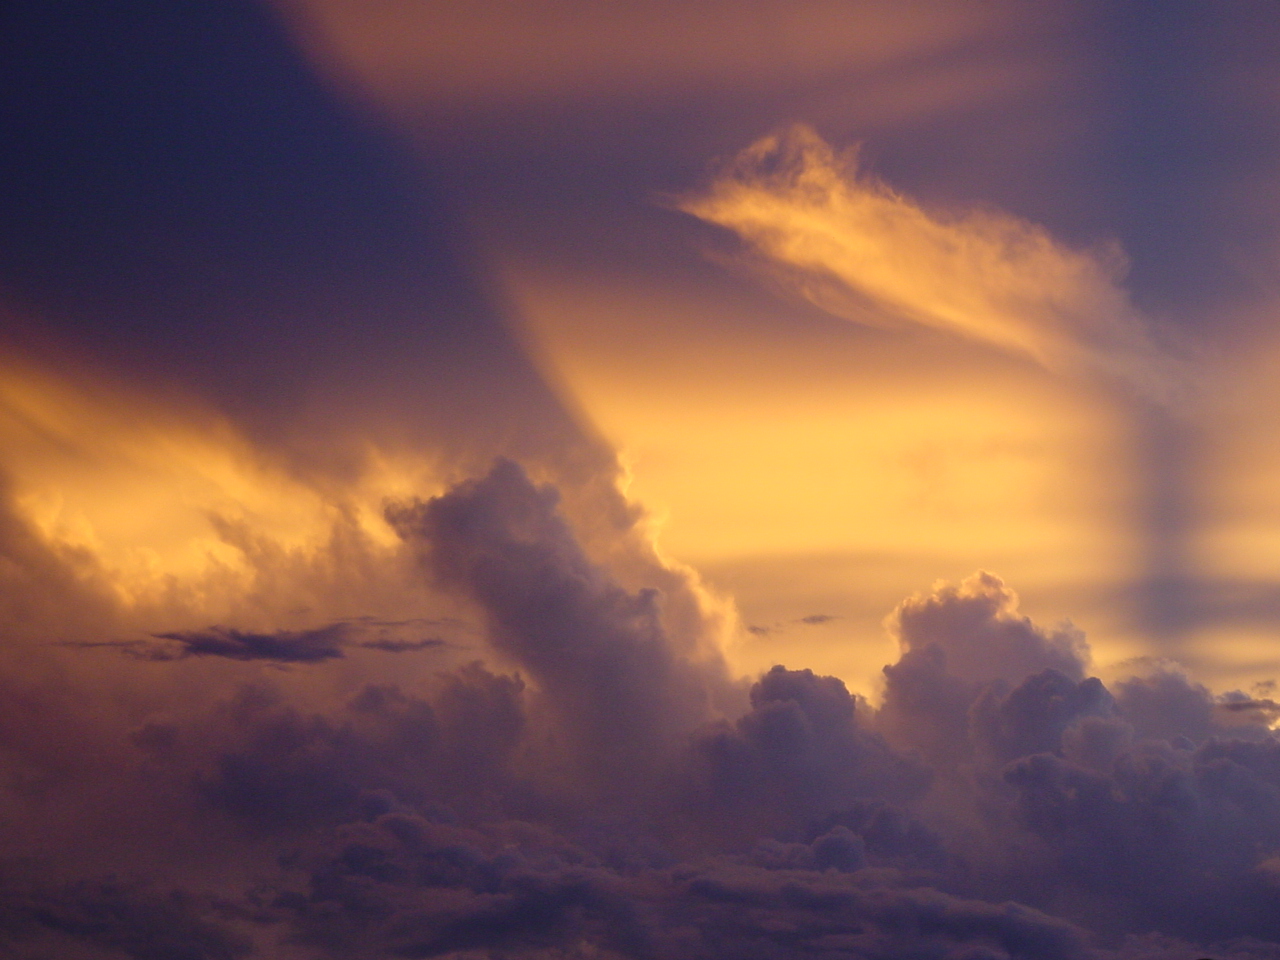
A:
(278, 647)
(857, 248)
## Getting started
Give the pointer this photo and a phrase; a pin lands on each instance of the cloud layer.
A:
(599, 787)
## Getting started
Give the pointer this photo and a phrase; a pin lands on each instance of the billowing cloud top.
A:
(603, 801)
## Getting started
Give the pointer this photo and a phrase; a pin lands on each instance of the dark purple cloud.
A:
(402, 885)
(797, 756)
(402, 646)
(110, 918)
(983, 636)
(584, 794)
(281, 646)
(601, 654)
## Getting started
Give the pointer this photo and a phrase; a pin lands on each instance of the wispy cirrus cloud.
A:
(859, 249)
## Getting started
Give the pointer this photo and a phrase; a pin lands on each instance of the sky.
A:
(639, 480)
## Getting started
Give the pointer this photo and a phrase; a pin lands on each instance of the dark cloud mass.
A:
(303, 646)
(589, 799)
(600, 654)
(280, 646)
(980, 634)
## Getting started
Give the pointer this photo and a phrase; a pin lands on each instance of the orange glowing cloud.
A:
(180, 519)
(813, 467)
(860, 250)
(148, 520)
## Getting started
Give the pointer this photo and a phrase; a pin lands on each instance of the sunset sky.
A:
(639, 479)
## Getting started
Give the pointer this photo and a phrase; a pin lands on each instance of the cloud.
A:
(977, 680)
(282, 646)
(1178, 836)
(133, 920)
(977, 626)
(1034, 717)
(862, 251)
(600, 653)
(817, 619)
(1153, 806)
(279, 646)
(276, 769)
(811, 620)
(403, 646)
(400, 884)
(575, 791)
(497, 55)
(1265, 709)
(799, 755)
(1165, 704)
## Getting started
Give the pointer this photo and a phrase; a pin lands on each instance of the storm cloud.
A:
(589, 798)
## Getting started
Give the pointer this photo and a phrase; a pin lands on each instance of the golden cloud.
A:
(862, 251)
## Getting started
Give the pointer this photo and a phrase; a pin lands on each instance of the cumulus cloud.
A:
(977, 627)
(798, 755)
(1164, 703)
(518, 891)
(273, 767)
(600, 653)
(575, 791)
(859, 249)
(1179, 836)
(1034, 716)
(964, 647)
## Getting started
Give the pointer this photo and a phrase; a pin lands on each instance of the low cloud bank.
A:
(595, 785)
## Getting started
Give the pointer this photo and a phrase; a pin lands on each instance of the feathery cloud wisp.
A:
(864, 252)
